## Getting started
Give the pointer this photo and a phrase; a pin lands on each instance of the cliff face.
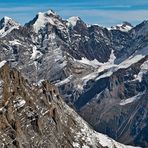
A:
(35, 116)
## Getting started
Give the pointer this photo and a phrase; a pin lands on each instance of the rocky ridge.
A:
(36, 116)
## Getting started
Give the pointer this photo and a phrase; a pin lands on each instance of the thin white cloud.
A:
(104, 17)
(114, 6)
(15, 9)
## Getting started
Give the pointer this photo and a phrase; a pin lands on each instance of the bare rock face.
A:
(35, 116)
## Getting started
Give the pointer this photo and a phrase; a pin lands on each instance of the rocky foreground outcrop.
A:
(36, 117)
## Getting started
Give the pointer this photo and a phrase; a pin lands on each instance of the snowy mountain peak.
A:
(7, 24)
(6, 18)
(72, 21)
(124, 27)
(47, 13)
(7, 21)
(44, 18)
(51, 12)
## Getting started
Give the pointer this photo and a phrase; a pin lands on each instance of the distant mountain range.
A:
(101, 72)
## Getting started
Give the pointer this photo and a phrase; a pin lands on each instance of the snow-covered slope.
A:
(72, 21)
(90, 136)
(43, 19)
(125, 27)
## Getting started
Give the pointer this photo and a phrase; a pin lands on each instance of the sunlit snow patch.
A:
(132, 99)
(2, 63)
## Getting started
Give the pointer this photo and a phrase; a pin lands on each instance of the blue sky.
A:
(103, 12)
